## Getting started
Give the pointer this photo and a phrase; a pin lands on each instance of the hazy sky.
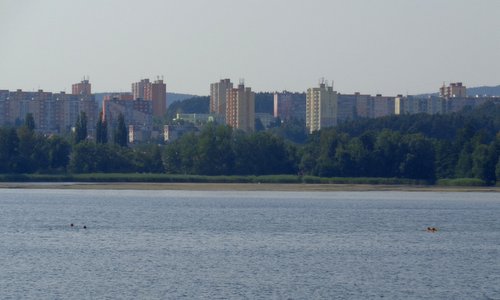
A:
(371, 46)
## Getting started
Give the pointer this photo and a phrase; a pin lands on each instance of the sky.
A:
(370, 46)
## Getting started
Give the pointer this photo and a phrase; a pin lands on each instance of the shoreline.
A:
(284, 187)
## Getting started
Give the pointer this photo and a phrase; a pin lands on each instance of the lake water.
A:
(248, 245)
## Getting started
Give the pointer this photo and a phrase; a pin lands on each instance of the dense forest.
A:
(194, 105)
(424, 147)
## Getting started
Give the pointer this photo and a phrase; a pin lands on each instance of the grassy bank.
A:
(461, 182)
(172, 178)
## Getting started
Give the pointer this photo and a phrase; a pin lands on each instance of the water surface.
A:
(249, 245)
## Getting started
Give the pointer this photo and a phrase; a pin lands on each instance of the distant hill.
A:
(484, 91)
(193, 105)
(481, 91)
(174, 97)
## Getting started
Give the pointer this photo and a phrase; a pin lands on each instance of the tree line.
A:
(426, 147)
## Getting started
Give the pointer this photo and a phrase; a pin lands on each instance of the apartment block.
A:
(52, 113)
(321, 107)
(457, 104)
(240, 108)
(69, 107)
(289, 105)
(196, 118)
(354, 106)
(141, 89)
(136, 112)
(218, 94)
(119, 96)
(152, 91)
(82, 88)
(44, 109)
(17, 106)
(411, 105)
(434, 105)
(4, 94)
(159, 98)
(382, 106)
(138, 133)
(454, 90)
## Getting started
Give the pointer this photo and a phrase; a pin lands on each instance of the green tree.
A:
(463, 168)
(88, 157)
(9, 150)
(81, 128)
(329, 142)
(120, 133)
(104, 132)
(262, 153)
(27, 142)
(214, 151)
(497, 169)
(148, 159)
(101, 134)
(156, 161)
(446, 159)
(419, 158)
(58, 153)
(484, 163)
(388, 154)
(29, 122)
(309, 154)
(98, 130)
(292, 129)
(258, 125)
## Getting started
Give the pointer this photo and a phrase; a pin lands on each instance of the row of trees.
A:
(461, 145)
(22, 150)
(219, 150)
(393, 154)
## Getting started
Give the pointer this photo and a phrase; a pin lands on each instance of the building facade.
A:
(240, 108)
(135, 112)
(382, 106)
(218, 94)
(82, 88)
(53, 113)
(454, 90)
(321, 107)
(289, 105)
(156, 92)
(141, 89)
(159, 98)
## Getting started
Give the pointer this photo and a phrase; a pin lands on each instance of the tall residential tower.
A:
(82, 88)
(240, 108)
(156, 92)
(159, 98)
(218, 92)
(321, 107)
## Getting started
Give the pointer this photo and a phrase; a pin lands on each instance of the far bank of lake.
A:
(243, 187)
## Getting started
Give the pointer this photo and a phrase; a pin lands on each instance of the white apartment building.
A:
(321, 107)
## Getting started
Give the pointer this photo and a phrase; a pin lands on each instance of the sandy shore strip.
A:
(238, 187)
